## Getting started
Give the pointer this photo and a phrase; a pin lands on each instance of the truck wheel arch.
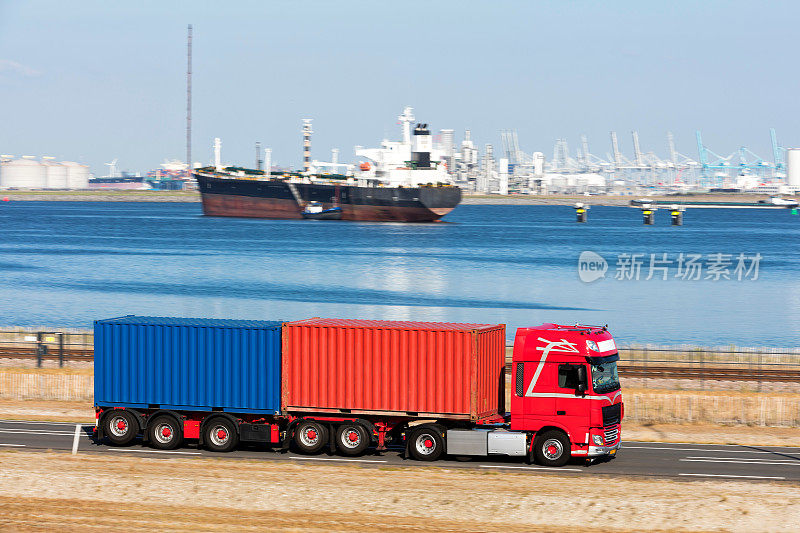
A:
(552, 427)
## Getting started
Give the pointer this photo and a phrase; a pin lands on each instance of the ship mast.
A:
(406, 119)
(189, 102)
(307, 131)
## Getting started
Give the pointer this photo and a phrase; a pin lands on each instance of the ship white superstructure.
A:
(410, 162)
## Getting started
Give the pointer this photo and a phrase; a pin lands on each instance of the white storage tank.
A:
(55, 175)
(793, 167)
(25, 173)
(77, 175)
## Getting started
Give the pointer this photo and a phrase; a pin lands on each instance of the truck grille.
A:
(611, 414)
(611, 434)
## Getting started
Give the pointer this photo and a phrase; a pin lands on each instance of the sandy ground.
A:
(55, 490)
(56, 411)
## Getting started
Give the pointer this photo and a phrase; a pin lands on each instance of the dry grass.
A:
(714, 407)
(50, 371)
(46, 384)
(49, 490)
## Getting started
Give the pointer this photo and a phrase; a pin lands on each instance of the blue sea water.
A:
(68, 263)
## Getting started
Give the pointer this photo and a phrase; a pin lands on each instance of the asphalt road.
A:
(648, 459)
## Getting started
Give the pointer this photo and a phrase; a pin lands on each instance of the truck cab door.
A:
(533, 402)
(571, 409)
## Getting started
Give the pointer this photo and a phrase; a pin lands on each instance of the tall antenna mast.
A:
(307, 144)
(189, 102)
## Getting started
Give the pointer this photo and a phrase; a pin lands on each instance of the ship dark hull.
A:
(253, 198)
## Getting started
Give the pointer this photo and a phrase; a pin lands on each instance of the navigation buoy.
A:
(581, 213)
(676, 215)
(5, 199)
(648, 214)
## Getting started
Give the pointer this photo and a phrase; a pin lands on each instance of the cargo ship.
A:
(227, 194)
(399, 182)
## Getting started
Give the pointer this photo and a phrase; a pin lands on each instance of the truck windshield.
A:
(605, 377)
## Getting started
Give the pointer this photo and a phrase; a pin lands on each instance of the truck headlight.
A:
(597, 439)
(591, 345)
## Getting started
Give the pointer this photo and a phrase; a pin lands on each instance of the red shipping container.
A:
(417, 369)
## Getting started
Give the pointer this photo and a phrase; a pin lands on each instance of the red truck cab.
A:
(566, 390)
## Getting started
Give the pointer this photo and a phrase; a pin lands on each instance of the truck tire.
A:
(310, 437)
(165, 432)
(552, 448)
(426, 444)
(120, 427)
(220, 435)
(352, 439)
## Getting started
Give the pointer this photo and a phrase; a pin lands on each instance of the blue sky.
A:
(92, 81)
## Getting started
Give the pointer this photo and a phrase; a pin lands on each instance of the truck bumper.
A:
(596, 451)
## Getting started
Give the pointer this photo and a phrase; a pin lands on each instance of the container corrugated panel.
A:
(188, 363)
(404, 368)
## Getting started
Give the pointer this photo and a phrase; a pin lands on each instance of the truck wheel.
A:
(426, 444)
(552, 448)
(352, 439)
(310, 437)
(220, 435)
(165, 433)
(121, 427)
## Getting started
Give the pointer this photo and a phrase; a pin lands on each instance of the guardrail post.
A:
(702, 369)
(645, 354)
(61, 349)
(759, 370)
(39, 349)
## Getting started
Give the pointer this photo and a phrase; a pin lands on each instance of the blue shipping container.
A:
(188, 363)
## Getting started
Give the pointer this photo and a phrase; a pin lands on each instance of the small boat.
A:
(315, 211)
(777, 200)
(772, 203)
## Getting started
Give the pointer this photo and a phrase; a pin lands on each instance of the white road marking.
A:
(35, 432)
(14, 445)
(696, 450)
(557, 468)
(710, 444)
(740, 461)
(789, 460)
(34, 422)
(338, 459)
(76, 439)
(151, 451)
(734, 476)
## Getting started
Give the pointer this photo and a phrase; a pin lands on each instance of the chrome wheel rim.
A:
(425, 444)
(309, 436)
(118, 426)
(164, 433)
(351, 437)
(219, 435)
(552, 449)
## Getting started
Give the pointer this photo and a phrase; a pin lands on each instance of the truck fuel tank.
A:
(486, 442)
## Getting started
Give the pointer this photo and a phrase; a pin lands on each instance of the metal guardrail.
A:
(43, 346)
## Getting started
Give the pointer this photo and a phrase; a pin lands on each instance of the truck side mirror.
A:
(582, 383)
